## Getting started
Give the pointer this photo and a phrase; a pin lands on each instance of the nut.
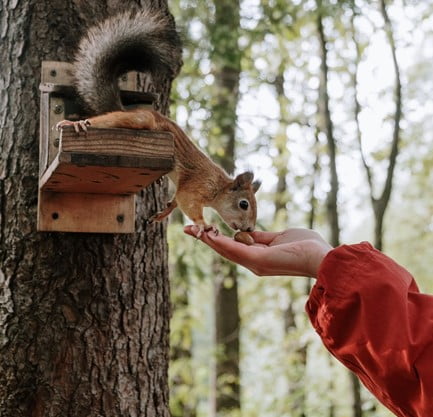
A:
(244, 238)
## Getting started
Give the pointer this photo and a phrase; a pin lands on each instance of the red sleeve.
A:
(371, 316)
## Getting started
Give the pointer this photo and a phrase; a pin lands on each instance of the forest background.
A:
(330, 104)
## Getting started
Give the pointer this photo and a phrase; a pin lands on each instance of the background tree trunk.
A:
(332, 200)
(225, 58)
(84, 318)
(380, 204)
(328, 128)
(183, 396)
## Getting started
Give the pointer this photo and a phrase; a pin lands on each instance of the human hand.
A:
(297, 252)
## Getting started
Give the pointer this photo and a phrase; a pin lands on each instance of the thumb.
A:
(191, 230)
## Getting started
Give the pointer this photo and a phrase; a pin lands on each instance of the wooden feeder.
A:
(88, 180)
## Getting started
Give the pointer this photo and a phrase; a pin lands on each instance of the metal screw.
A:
(56, 142)
(120, 218)
(55, 215)
(53, 73)
(58, 109)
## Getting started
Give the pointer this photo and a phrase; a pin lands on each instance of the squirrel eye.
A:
(243, 204)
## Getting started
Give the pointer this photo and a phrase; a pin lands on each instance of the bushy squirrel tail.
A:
(144, 41)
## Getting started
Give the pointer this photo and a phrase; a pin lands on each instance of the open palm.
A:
(296, 251)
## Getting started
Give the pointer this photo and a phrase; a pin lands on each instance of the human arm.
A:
(371, 316)
(367, 310)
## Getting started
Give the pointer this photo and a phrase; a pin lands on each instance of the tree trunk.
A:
(281, 162)
(83, 318)
(332, 201)
(225, 58)
(227, 324)
(328, 128)
(381, 204)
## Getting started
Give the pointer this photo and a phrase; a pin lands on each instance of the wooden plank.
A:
(43, 133)
(88, 180)
(131, 142)
(128, 97)
(88, 213)
(58, 77)
(57, 72)
(56, 113)
(128, 81)
(109, 161)
(68, 177)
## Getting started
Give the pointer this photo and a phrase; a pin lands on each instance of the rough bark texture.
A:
(83, 318)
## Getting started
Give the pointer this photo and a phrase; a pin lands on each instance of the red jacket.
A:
(371, 316)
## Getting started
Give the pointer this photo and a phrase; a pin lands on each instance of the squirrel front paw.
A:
(206, 228)
(79, 124)
(161, 215)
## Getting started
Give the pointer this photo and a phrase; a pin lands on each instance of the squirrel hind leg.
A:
(133, 119)
(161, 215)
(143, 119)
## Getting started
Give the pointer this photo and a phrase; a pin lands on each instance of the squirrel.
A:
(148, 42)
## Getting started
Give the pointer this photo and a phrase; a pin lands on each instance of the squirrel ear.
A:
(256, 185)
(242, 181)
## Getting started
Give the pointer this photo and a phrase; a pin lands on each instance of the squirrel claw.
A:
(80, 124)
(206, 228)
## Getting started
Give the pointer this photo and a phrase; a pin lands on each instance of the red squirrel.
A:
(147, 41)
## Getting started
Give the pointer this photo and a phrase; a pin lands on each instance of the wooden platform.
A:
(91, 183)
(88, 180)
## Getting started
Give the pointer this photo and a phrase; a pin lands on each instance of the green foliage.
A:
(285, 369)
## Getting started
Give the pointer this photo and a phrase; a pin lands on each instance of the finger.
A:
(264, 237)
(192, 230)
(229, 248)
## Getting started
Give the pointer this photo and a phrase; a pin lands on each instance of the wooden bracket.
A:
(88, 180)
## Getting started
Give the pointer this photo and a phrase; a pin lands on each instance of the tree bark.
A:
(83, 318)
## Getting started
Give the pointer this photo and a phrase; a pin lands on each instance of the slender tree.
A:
(84, 318)
(281, 162)
(332, 200)
(226, 64)
(183, 402)
(327, 127)
(380, 204)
